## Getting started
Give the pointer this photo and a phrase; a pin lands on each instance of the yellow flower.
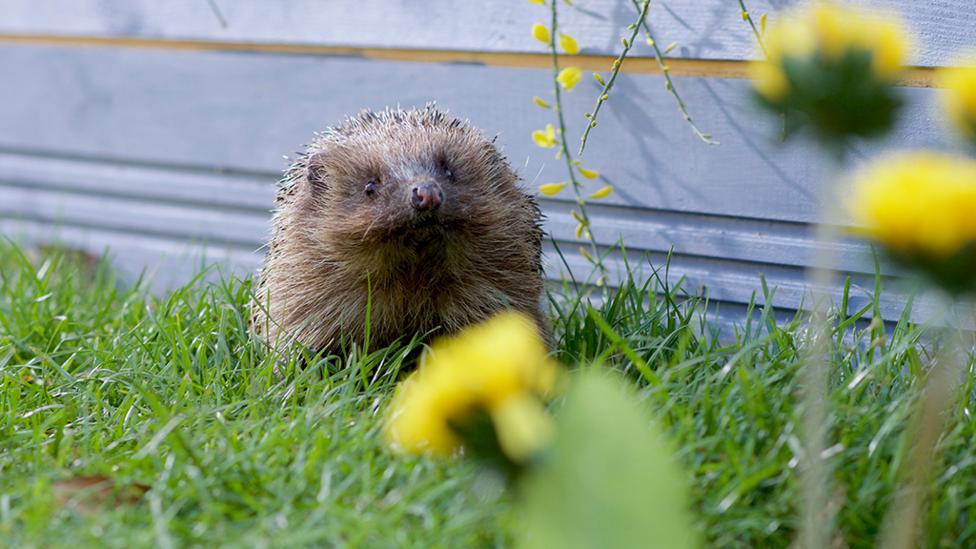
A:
(602, 193)
(545, 138)
(500, 368)
(538, 101)
(830, 31)
(569, 77)
(537, 2)
(959, 96)
(589, 174)
(918, 204)
(769, 80)
(551, 189)
(541, 33)
(568, 43)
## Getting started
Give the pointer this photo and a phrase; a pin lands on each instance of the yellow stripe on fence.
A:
(915, 76)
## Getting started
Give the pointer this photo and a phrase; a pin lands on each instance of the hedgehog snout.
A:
(426, 197)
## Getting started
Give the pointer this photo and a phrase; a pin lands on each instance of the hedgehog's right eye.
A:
(370, 188)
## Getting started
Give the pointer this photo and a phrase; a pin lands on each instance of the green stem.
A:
(902, 525)
(755, 30)
(617, 65)
(815, 477)
(564, 149)
(669, 85)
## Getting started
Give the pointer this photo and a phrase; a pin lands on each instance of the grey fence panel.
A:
(243, 112)
(703, 29)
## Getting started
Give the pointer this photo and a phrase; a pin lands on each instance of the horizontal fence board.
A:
(703, 29)
(56, 207)
(723, 281)
(180, 203)
(167, 185)
(164, 263)
(168, 262)
(238, 112)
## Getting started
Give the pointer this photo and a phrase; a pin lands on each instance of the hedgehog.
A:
(409, 220)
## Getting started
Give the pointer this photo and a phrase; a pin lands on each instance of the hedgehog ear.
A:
(316, 172)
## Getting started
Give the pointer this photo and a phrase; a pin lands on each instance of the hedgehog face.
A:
(407, 180)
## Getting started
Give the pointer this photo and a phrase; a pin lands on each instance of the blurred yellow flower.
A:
(541, 33)
(589, 174)
(920, 204)
(545, 138)
(769, 80)
(537, 2)
(959, 96)
(602, 193)
(830, 32)
(500, 368)
(568, 43)
(569, 77)
(551, 189)
(538, 101)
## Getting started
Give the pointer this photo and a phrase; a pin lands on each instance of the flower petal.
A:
(602, 193)
(551, 189)
(589, 174)
(568, 43)
(541, 33)
(569, 77)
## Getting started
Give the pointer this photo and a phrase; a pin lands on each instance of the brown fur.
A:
(478, 254)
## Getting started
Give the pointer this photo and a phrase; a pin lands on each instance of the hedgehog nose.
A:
(426, 196)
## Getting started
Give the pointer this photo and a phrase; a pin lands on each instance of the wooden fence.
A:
(157, 129)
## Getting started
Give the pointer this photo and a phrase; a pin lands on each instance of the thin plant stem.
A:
(903, 526)
(617, 65)
(669, 85)
(817, 525)
(755, 30)
(584, 219)
(215, 9)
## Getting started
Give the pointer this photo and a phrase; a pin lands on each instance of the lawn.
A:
(190, 437)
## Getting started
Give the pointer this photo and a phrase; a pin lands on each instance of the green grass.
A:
(171, 393)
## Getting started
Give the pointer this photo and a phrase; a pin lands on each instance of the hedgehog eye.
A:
(447, 171)
(370, 187)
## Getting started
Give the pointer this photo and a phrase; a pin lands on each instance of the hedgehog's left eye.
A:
(370, 188)
(447, 171)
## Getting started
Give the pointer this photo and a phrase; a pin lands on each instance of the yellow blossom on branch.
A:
(920, 206)
(551, 189)
(568, 43)
(602, 193)
(833, 68)
(499, 369)
(921, 202)
(545, 138)
(541, 33)
(959, 96)
(569, 77)
(589, 174)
